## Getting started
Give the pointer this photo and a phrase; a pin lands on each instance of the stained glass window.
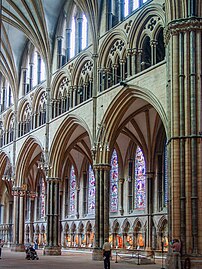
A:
(41, 199)
(140, 196)
(72, 191)
(114, 183)
(166, 177)
(91, 191)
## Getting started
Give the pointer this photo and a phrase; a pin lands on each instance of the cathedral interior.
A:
(101, 126)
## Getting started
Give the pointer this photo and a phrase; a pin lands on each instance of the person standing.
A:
(106, 250)
(176, 246)
(1, 245)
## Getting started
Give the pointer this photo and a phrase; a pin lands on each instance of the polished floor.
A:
(68, 260)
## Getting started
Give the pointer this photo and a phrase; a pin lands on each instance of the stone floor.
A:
(69, 259)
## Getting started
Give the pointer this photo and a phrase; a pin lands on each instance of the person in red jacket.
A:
(176, 247)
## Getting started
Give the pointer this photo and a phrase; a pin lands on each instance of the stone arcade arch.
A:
(24, 191)
(71, 147)
(135, 116)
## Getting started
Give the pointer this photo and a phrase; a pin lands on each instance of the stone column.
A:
(10, 221)
(101, 209)
(77, 201)
(19, 219)
(38, 68)
(79, 33)
(134, 62)
(138, 61)
(32, 196)
(129, 63)
(121, 184)
(24, 79)
(53, 227)
(31, 67)
(153, 44)
(149, 212)
(59, 51)
(184, 146)
(68, 43)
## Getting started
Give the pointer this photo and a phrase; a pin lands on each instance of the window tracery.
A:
(41, 111)
(62, 102)
(10, 130)
(25, 120)
(84, 89)
(115, 69)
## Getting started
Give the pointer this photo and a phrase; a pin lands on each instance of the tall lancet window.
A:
(84, 32)
(140, 193)
(91, 191)
(114, 183)
(72, 208)
(41, 198)
(72, 38)
(166, 177)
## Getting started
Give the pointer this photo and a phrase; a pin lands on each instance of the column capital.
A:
(149, 174)
(121, 180)
(102, 166)
(53, 179)
(182, 25)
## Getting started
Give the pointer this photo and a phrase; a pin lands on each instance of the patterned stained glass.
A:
(114, 183)
(42, 198)
(72, 208)
(140, 193)
(166, 177)
(91, 191)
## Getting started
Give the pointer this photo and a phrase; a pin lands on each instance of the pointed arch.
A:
(31, 146)
(112, 38)
(57, 151)
(112, 119)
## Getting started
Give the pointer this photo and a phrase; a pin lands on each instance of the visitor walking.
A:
(1, 245)
(106, 254)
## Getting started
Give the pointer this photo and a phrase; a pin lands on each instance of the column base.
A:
(18, 247)
(186, 261)
(97, 254)
(149, 252)
(52, 251)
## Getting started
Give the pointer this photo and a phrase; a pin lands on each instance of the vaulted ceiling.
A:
(35, 21)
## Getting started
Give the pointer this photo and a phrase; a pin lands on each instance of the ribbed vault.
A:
(134, 119)
(72, 140)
